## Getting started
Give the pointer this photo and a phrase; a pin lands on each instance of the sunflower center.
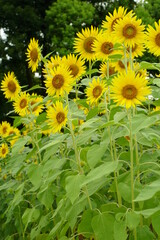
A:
(129, 31)
(35, 108)
(58, 81)
(60, 117)
(97, 91)
(88, 44)
(12, 86)
(157, 39)
(121, 64)
(133, 48)
(3, 150)
(107, 47)
(129, 91)
(74, 69)
(23, 103)
(11, 132)
(111, 70)
(113, 23)
(34, 55)
(4, 130)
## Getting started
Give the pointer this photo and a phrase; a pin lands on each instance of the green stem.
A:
(125, 58)
(130, 58)
(90, 68)
(137, 158)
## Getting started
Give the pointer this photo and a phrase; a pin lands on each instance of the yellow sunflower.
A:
(54, 62)
(21, 104)
(153, 39)
(111, 20)
(137, 50)
(35, 104)
(57, 116)
(4, 129)
(103, 46)
(33, 54)
(4, 150)
(10, 86)
(75, 65)
(129, 90)
(129, 31)
(103, 70)
(59, 82)
(95, 90)
(140, 71)
(83, 44)
(120, 66)
(14, 135)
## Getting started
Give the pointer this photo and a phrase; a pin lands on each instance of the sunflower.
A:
(75, 65)
(10, 86)
(57, 116)
(59, 82)
(21, 104)
(140, 71)
(103, 70)
(83, 44)
(33, 54)
(54, 62)
(103, 46)
(14, 135)
(95, 90)
(112, 19)
(4, 128)
(153, 39)
(4, 150)
(129, 31)
(137, 50)
(35, 104)
(120, 66)
(129, 90)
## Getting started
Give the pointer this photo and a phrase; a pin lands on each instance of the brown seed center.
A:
(107, 47)
(113, 23)
(60, 117)
(35, 108)
(88, 44)
(133, 48)
(23, 103)
(111, 71)
(97, 91)
(157, 39)
(121, 64)
(129, 31)
(58, 81)
(129, 91)
(34, 55)
(4, 130)
(74, 69)
(3, 150)
(12, 86)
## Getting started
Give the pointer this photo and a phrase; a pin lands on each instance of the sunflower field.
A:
(83, 161)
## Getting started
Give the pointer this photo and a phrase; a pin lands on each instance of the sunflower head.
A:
(53, 63)
(33, 54)
(4, 150)
(129, 89)
(84, 42)
(57, 116)
(103, 70)
(4, 129)
(14, 135)
(59, 82)
(95, 90)
(10, 86)
(35, 104)
(21, 104)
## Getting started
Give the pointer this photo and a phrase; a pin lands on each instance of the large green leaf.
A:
(95, 153)
(120, 230)
(156, 222)
(35, 174)
(45, 196)
(85, 227)
(30, 215)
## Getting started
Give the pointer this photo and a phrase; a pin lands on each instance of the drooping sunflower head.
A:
(21, 104)
(75, 65)
(84, 42)
(53, 63)
(129, 31)
(137, 50)
(111, 20)
(33, 54)
(120, 66)
(4, 129)
(57, 116)
(14, 135)
(103, 70)
(10, 86)
(103, 46)
(4, 150)
(129, 89)
(95, 90)
(35, 104)
(152, 40)
(59, 82)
